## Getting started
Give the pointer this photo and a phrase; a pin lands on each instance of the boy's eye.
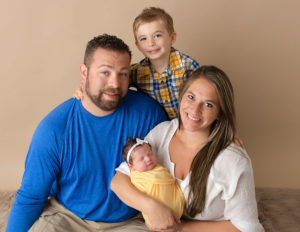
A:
(209, 105)
(157, 36)
(143, 39)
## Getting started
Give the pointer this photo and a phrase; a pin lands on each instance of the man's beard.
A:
(98, 100)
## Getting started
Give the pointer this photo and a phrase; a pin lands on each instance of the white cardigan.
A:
(230, 187)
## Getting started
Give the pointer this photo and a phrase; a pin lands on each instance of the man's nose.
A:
(114, 81)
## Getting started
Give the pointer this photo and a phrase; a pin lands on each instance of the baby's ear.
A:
(130, 166)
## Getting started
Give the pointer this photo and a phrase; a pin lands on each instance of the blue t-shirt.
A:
(73, 154)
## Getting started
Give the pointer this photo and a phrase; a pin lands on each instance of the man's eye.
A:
(105, 73)
(124, 74)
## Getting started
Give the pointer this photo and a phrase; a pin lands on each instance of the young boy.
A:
(151, 178)
(164, 68)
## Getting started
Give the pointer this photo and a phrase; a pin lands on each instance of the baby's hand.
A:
(79, 92)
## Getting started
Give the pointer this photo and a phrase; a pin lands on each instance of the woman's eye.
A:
(209, 105)
(190, 97)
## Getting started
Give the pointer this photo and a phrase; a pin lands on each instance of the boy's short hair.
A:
(151, 14)
(109, 42)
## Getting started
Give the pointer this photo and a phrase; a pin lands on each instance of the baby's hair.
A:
(151, 14)
(130, 142)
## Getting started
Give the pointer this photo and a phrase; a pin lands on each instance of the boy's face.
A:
(143, 159)
(154, 41)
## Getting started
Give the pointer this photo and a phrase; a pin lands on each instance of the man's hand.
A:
(239, 142)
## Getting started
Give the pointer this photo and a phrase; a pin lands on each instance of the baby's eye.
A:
(209, 105)
(143, 39)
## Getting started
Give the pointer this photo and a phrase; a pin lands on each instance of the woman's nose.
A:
(197, 108)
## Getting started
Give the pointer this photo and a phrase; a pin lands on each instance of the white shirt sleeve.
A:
(232, 173)
(123, 168)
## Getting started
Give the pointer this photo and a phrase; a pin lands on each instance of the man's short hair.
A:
(109, 42)
(151, 14)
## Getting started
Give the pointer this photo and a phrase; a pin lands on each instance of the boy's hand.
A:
(79, 92)
(239, 142)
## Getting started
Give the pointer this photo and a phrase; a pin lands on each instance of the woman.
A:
(214, 174)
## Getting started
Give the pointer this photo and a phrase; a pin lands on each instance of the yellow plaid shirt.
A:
(164, 87)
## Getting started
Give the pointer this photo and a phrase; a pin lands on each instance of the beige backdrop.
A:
(256, 42)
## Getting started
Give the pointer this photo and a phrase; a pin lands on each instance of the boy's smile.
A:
(154, 41)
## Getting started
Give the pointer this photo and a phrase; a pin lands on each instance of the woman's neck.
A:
(193, 139)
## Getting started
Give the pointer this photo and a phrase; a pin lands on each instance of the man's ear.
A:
(173, 37)
(83, 72)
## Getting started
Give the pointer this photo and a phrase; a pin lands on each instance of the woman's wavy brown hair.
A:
(222, 134)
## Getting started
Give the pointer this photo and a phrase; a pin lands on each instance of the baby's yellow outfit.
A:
(160, 185)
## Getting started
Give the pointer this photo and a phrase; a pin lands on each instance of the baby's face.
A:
(143, 159)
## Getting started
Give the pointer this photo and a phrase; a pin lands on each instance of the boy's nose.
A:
(151, 42)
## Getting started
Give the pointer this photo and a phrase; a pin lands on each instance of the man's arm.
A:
(41, 168)
(160, 216)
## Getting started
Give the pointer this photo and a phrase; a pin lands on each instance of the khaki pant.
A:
(56, 218)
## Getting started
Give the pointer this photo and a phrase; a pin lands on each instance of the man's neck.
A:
(92, 108)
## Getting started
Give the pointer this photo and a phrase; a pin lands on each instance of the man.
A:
(76, 148)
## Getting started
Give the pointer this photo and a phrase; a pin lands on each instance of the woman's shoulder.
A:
(232, 163)
(233, 153)
(233, 160)
(165, 126)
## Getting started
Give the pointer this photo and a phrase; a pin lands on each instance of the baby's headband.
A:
(138, 142)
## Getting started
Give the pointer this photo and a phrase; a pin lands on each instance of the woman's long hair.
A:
(222, 134)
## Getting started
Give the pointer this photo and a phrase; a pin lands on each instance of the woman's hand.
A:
(79, 92)
(161, 217)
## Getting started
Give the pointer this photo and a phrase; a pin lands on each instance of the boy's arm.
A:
(160, 216)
